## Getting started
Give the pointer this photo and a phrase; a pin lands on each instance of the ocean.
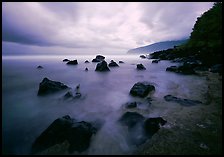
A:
(25, 115)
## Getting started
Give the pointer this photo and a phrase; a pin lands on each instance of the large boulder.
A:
(140, 67)
(48, 86)
(98, 58)
(102, 66)
(113, 64)
(77, 134)
(184, 102)
(141, 89)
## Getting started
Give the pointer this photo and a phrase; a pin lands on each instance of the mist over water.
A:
(26, 115)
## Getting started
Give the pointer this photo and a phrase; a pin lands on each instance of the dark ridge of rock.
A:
(152, 125)
(74, 62)
(121, 62)
(48, 86)
(130, 119)
(78, 134)
(86, 69)
(140, 67)
(141, 89)
(102, 66)
(113, 64)
(86, 61)
(186, 69)
(184, 102)
(66, 60)
(156, 61)
(39, 67)
(142, 56)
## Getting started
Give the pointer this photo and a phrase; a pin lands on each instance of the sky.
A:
(94, 27)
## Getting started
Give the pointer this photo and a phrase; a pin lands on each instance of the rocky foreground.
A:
(195, 130)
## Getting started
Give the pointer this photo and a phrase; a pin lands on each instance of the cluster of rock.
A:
(77, 133)
(147, 126)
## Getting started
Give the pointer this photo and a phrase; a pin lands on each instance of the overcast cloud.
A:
(90, 27)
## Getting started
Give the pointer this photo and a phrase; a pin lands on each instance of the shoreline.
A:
(198, 130)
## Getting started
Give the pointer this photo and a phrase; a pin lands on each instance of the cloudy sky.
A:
(84, 27)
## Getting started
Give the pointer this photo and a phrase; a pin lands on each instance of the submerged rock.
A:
(131, 104)
(65, 60)
(142, 56)
(140, 67)
(48, 86)
(86, 61)
(184, 102)
(156, 61)
(113, 64)
(39, 67)
(74, 62)
(130, 119)
(102, 66)
(86, 69)
(77, 134)
(141, 89)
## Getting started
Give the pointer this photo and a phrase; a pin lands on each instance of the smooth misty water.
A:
(25, 115)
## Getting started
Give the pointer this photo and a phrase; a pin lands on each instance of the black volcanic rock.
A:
(184, 102)
(141, 89)
(102, 66)
(47, 86)
(65, 60)
(140, 67)
(78, 135)
(74, 62)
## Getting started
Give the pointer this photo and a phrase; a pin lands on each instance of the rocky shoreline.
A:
(198, 130)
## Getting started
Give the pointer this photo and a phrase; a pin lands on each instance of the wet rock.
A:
(74, 62)
(140, 67)
(98, 58)
(141, 89)
(130, 119)
(152, 125)
(48, 86)
(142, 56)
(184, 102)
(65, 60)
(78, 135)
(121, 62)
(113, 64)
(39, 67)
(86, 61)
(86, 69)
(131, 105)
(156, 61)
(102, 66)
